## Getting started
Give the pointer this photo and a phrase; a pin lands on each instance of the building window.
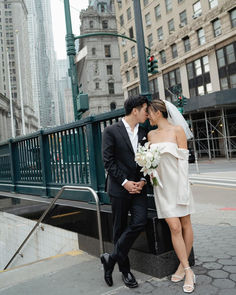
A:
(93, 51)
(179, 1)
(145, 2)
(127, 76)
(121, 20)
(128, 13)
(160, 34)
(163, 56)
(199, 76)
(157, 11)
(220, 58)
(233, 17)
(213, 3)
(226, 59)
(230, 54)
(91, 24)
(107, 50)
(187, 45)
(183, 18)
(174, 50)
(153, 88)
(125, 54)
(133, 91)
(150, 40)
(97, 85)
(148, 19)
(105, 24)
(111, 88)
(109, 70)
(135, 72)
(216, 27)
(171, 25)
(112, 106)
(171, 80)
(197, 9)
(133, 52)
(131, 33)
(168, 5)
(201, 36)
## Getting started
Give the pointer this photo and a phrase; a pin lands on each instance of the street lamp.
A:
(70, 42)
(20, 84)
(10, 94)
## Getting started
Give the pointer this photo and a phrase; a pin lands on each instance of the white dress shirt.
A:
(133, 136)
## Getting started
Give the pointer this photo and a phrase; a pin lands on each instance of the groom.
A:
(125, 186)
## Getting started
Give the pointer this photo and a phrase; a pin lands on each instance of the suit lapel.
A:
(125, 135)
(141, 135)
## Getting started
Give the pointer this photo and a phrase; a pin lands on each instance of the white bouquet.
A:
(148, 157)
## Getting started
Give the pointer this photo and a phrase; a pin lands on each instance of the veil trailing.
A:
(176, 118)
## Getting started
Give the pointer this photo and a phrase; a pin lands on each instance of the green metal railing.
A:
(42, 162)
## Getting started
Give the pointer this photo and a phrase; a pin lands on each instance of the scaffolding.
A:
(214, 133)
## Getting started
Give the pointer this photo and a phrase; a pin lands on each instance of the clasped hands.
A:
(134, 187)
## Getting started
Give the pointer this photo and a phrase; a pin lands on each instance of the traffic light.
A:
(152, 65)
(181, 102)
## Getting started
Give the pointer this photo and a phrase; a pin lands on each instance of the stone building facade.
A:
(194, 42)
(13, 17)
(98, 59)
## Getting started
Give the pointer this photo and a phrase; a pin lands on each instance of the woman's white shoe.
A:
(187, 288)
(177, 278)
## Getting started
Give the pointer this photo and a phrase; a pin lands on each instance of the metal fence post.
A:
(45, 161)
(14, 164)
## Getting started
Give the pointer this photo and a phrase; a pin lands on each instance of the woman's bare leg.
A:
(187, 233)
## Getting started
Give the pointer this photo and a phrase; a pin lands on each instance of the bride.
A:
(173, 197)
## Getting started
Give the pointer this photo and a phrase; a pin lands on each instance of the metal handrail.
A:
(83, 188)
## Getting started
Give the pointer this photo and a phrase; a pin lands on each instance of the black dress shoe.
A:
(129, 280)
(108, 265)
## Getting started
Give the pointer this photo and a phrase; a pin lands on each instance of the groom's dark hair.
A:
(134, 102)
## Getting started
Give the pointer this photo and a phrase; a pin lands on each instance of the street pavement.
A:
(214, 225)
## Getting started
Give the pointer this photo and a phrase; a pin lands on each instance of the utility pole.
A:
(70, 42)
(143, 71)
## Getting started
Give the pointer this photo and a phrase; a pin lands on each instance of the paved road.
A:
(214, 226)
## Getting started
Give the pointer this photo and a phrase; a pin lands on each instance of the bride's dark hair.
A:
(158, 105)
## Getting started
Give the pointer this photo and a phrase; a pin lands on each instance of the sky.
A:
(58, 23)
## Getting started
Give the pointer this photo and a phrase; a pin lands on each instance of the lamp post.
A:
(20, 84)
(10, 97)
(143, 71)
(70, 42)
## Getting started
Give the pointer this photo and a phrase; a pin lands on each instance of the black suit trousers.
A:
(125, 234)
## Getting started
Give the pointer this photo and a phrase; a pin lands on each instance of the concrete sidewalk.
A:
(79, 273)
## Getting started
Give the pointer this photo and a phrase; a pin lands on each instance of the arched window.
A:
(112, 106)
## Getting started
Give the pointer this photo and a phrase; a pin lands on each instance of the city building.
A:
(195, 45)
(5, 130)
(64, 89)
(43, 62)
(15, 75)
(98, 59)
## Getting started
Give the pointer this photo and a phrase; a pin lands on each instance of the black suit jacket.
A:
(118, 157)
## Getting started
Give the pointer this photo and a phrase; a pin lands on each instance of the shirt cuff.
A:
(124, 182)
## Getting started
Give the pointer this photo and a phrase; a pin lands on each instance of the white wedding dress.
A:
(173, 196)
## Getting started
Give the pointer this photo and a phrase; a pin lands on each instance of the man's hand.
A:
(134, 187)
(140, 185)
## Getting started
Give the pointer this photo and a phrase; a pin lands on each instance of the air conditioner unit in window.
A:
(148, 23)
(195, 15)
(160, 38)
(181, 25)
(217, 32)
